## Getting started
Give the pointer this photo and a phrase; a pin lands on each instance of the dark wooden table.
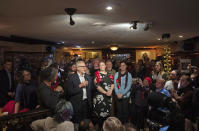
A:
(23, 119)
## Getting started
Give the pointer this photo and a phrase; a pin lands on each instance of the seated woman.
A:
(51, 123)
(26, 97)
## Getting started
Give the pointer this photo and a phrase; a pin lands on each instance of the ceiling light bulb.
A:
(109, 8)
(131, 27)
(114, 47)
(78, 46)
(180, 36)
(159, 39)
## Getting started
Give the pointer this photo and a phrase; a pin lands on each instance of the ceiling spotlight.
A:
(134, 25)
(109, 8)
(180, 36)
(71, 11)
(147, 26)
(131, 27)
(158, 39)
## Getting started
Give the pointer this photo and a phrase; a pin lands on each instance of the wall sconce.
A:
(114, 47)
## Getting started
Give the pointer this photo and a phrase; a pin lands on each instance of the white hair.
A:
(79, 62)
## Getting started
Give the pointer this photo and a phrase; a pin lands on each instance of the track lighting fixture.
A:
(142, 25)
(71, 11)
(147, 26)
(134, 25)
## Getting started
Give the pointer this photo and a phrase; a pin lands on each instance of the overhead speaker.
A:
(166, 36)
(50, 49)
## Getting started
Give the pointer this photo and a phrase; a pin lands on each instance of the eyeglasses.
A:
(82, 66)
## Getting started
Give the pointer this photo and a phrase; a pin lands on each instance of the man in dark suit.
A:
(6, 83)
(78, 87)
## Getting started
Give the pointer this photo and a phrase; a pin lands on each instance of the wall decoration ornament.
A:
(167, 61)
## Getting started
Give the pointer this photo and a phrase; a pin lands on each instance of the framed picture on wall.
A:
(183, 64)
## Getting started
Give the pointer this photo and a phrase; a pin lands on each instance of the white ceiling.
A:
(47, 20)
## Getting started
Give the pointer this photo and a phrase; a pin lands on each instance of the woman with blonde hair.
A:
(113, 124)
(158, 72)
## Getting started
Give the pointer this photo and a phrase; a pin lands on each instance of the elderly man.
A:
(79, 86)
(160, 87)
(173, 83)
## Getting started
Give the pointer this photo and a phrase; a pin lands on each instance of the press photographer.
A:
(172, 118)
(139, 94)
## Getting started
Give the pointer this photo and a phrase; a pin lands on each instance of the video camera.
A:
(135, 80)
(159, 118)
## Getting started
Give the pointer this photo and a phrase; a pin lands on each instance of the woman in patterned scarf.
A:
(122, 82)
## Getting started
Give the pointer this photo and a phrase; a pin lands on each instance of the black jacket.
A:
(47, 97)
(75, 94)
(5, 87)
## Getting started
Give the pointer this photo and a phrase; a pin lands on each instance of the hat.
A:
(148, 80)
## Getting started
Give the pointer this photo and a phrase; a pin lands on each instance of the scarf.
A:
(118, 81)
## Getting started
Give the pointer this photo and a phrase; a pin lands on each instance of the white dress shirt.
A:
(82, 79)
(169, 85)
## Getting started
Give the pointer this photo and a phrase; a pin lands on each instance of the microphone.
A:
(86, 78)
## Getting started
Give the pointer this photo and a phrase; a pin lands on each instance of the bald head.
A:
(174, 75)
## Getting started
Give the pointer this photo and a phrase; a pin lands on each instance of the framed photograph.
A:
(183, 64)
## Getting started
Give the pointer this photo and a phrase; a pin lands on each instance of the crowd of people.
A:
(100, 95)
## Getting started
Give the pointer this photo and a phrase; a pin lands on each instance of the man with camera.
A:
(139, 96)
